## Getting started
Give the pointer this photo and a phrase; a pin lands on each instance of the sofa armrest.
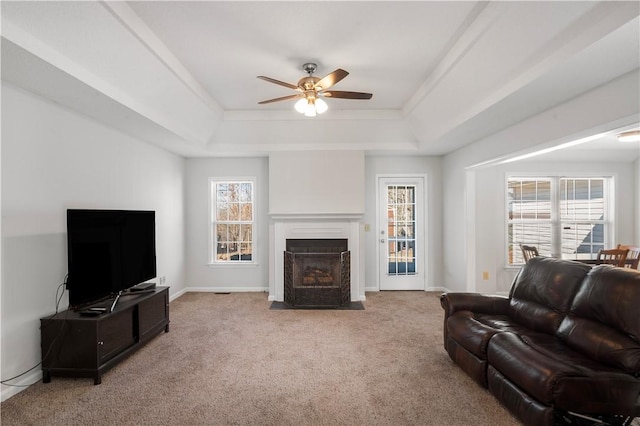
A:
(475, 302)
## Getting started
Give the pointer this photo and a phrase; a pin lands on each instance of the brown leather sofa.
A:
(562, 348)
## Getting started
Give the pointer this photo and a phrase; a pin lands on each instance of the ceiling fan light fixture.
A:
(301, 105)
(630, 136)
(310, 109)
(311, 106)
(321, 106)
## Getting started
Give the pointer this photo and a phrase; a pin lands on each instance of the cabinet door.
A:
(69, 344)
(115, 334)
(153, 314)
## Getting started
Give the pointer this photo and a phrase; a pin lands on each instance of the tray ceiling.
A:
(182, 75)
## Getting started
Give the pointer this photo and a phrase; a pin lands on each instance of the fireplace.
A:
(317, 272)
(318, 226)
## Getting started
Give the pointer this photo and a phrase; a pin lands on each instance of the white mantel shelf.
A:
(316, 216)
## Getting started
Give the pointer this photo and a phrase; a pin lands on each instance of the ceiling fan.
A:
(310, 89)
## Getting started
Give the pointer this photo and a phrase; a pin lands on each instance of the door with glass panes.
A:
(401, 233)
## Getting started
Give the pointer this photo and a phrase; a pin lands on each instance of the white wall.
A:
(490, 222)
(54, 159)
(399, 165)
(203, 277)
(316, 182)
(200, 275)
(605, 108)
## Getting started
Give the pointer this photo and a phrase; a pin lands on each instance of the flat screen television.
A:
(108, 251)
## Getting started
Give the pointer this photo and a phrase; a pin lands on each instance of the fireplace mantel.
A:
(285, 226)
(316, 216)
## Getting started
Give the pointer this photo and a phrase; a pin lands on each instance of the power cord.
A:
(58, 299)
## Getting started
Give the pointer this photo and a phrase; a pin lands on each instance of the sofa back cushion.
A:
(604, 321)
(543, 292)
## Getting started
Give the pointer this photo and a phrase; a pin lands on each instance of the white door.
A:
(401, 233)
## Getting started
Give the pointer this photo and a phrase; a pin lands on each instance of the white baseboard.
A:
(22, 384)
(376, 289)
(225, 290)
(176, 295)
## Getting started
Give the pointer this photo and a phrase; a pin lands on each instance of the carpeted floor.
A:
(230, 360)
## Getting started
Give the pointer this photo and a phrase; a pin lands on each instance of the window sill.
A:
(513, 267)
(233, 265)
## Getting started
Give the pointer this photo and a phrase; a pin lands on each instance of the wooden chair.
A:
(528, 252)
(633, 256)
(612, 256)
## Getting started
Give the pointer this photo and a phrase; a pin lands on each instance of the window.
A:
(529, 216)
(582, 217)
(401, 226)
(232, 221)
(563, 217)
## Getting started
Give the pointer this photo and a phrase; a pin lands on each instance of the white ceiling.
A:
(182, 74)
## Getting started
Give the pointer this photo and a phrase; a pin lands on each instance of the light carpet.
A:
(230, 360)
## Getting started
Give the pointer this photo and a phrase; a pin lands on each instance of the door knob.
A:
(382, 240)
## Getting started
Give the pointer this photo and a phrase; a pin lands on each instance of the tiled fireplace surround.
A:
(313, 226)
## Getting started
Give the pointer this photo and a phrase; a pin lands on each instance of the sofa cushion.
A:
(556, 375)
(603, 322)
(471, 334)
(543, 290)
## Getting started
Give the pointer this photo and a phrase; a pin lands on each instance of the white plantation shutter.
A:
(558, 215)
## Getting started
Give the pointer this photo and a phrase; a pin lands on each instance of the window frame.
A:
(609, 222)
(212, 241)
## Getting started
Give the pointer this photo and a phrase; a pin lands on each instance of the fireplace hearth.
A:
(317, 272)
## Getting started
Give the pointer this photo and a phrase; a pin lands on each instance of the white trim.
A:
(22, 384)
(316, 216)
(234, 264)
(469, 225)
(226, 290)
(177, 294)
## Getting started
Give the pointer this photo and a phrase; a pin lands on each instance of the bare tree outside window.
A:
(401, 219)
(233, 221)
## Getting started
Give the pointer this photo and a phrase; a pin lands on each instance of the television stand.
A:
(76, 345)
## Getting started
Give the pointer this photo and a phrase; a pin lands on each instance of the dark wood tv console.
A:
(87, 346)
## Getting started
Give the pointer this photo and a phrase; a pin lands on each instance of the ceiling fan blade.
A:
(347, 95)
(331, 79)
(281, 83)
(284, 98)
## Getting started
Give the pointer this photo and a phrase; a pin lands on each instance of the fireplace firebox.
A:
(317, 273)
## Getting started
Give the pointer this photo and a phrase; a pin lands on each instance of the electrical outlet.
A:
(485, 275)
(163, 280)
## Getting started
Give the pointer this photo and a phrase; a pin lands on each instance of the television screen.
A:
(108, 251)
